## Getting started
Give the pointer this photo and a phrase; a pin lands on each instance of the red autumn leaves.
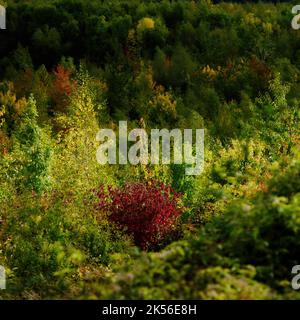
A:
(148, 211)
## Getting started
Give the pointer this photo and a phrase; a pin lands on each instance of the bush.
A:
(267, 228)
(147, 210)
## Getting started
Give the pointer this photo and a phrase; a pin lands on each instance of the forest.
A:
(71, 228)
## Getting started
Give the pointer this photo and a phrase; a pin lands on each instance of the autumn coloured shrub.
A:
(148, 211)
(63, 86)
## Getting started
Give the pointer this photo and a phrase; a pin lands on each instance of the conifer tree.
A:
(32, 148)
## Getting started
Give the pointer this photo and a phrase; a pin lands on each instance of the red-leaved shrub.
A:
(148, 211)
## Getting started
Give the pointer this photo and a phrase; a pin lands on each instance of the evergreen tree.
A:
(32, 148)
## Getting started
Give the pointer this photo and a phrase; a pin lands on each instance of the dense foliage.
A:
(72, 228)
(148, 211)
(245, 254)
